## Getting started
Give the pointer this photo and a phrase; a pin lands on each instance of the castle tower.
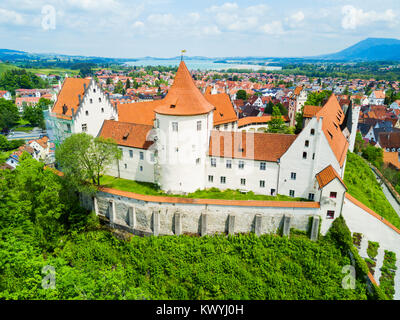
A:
(183, 122)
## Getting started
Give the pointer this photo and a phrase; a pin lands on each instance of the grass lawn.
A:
(23, 129)
(6, 66)
(362, 185)
(213, 193)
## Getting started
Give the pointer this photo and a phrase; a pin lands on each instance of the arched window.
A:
(99, 99)
(91, 100)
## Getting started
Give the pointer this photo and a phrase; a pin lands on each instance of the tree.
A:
(269, 108)
(318, 98)
(9, 115)
(84, 159)
(44, 103)
(128, 84)
(373, 155)
(6, 145)
(299, 121)
(34, 114)
(276, 124)
(241, 94)
(359, 143)
(119, 87)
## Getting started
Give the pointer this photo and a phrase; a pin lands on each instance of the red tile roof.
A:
(127, 134)
(333, 116)
(311, 111)
(224, 111)
(327, 175)
(68, 96)
(249, 145)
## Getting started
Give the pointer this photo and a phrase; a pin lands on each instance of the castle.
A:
(189, 141)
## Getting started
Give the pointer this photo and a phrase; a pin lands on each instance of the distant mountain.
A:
(371, 49)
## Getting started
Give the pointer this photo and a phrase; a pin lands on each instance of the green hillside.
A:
(41, 224)
(362, 185)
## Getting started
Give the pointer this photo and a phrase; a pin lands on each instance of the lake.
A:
(199, 64)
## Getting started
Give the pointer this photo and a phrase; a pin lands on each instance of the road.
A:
(34, 134)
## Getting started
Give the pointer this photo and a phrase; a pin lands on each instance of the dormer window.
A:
(172, 106)
(125, 135)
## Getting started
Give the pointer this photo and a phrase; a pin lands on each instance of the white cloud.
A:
(273, 28)
(354, 17)
(211, 30)
(12, 17)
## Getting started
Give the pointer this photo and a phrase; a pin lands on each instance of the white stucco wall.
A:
(182, 154)
(98, 111)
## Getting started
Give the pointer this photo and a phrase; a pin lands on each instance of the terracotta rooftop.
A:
(184, 98)
(126, 134)
(392, 158)
(333, 116)
(220, 202)
(224, 111)
(327, 175)
(68, 96)
(257, 120)
(249, 145)
(311, 111)
(389, 140)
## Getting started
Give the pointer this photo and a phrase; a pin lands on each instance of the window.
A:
(126, 166)
(102, 110)
(312, 132)
(243, 182)
(99, 99)
(87, 112)
(311, 196)
(241, 164)
(84, 127)
(141, 155)
(94, 90)
(226, 126)
(330, 135)
(210, 178)
(291, 193)
(91, 100)
(313, 156)
(217, 128)
(229, 164)
(131, 153)
(213, 162)
(223, 180)
(175, 126)
(307, 143)
(304, 155)
(330, 214)
(333, 195)
(262, 183)
(198, 161)
(262, 165)
(293, 176)
(141, 168)
(198, 125)
(68, 127)
(273, 192)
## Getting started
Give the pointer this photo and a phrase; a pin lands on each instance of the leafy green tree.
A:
(84, 158)
(373, 155)
(277, 124)
(34, 114)
(9, 115)
(20, 79)
(44, 103)
(299, 121)
(6, 145)
(119, 87)
(318, 98)
(128, 84)
(269, 108)
(241, 94)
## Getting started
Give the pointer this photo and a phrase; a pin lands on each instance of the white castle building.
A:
(189, 141)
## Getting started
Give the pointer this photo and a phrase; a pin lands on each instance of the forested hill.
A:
(371, 49)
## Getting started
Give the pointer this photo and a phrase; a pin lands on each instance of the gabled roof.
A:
(224, 111)
(262, 147)
(333, 116)
(327, 175)
(126, 134)
(389, 140)
(257, 120)
(184, 98)
(311, 111)
(68, 96)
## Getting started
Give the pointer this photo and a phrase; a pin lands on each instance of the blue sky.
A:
(136, 28)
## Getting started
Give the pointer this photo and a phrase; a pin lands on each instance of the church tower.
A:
(183, 124)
